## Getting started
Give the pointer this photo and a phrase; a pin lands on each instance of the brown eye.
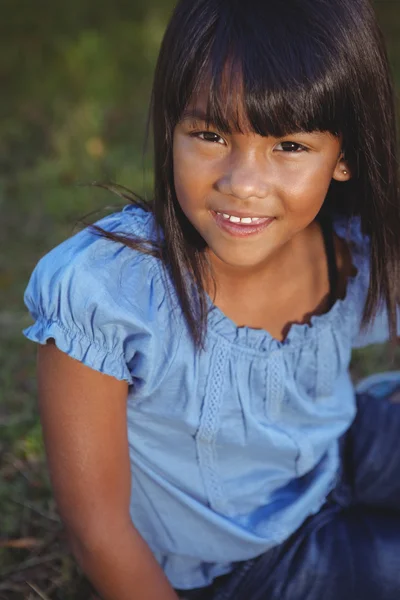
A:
(210, 136)
(292, 147)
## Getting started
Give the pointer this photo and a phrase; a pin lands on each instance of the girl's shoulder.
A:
(103, 302)
(88, 248)
(353, 261)
(352, 254)
(358, 244)
(88, 260)
(349, 230)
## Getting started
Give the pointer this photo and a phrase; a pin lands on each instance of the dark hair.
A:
(304, 65)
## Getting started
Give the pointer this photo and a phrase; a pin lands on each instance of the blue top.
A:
(231, 448)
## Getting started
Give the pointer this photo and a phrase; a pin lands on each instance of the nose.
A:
(245, 176)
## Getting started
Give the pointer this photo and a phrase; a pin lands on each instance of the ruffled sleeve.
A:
(102, 303)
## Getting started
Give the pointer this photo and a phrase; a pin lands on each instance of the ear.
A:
(342, 170)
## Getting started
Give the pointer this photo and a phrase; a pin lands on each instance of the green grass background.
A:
(74, 100)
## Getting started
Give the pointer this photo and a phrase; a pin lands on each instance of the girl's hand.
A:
(83, 415)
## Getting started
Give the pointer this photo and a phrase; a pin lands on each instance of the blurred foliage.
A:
(75, 80)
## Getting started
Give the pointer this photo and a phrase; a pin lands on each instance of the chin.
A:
(240, 261)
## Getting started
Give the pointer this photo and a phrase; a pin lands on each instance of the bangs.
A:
(264, 68)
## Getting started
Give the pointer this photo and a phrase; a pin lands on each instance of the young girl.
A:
(203, 434)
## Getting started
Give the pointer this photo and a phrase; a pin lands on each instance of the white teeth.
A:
(244, 220)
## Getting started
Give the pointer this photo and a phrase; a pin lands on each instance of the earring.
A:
(344, 172)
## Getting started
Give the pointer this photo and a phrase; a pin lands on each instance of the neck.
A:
(276, 272)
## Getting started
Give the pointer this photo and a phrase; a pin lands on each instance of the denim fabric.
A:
(349, 550)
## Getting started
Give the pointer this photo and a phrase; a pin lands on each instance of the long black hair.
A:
(304, 65)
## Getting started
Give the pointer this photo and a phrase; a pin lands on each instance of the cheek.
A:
(185, 185)
(191, 177)
(183, 181)
(306, 194)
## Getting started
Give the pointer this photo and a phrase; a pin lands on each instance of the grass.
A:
(34, 557)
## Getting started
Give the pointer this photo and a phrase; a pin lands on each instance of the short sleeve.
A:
(102, 303)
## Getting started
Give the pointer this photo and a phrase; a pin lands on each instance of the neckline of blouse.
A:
(299, 334)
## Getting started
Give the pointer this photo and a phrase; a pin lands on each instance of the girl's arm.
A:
(83, 415)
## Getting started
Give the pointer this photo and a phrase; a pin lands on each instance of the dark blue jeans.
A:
(350, 550)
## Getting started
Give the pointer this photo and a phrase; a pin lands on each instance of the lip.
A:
(242, 215)
(239, 229)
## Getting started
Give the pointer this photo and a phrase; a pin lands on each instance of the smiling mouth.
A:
(241, 220)
(241, 226)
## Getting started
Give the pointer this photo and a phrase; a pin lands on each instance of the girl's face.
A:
(276, 187)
